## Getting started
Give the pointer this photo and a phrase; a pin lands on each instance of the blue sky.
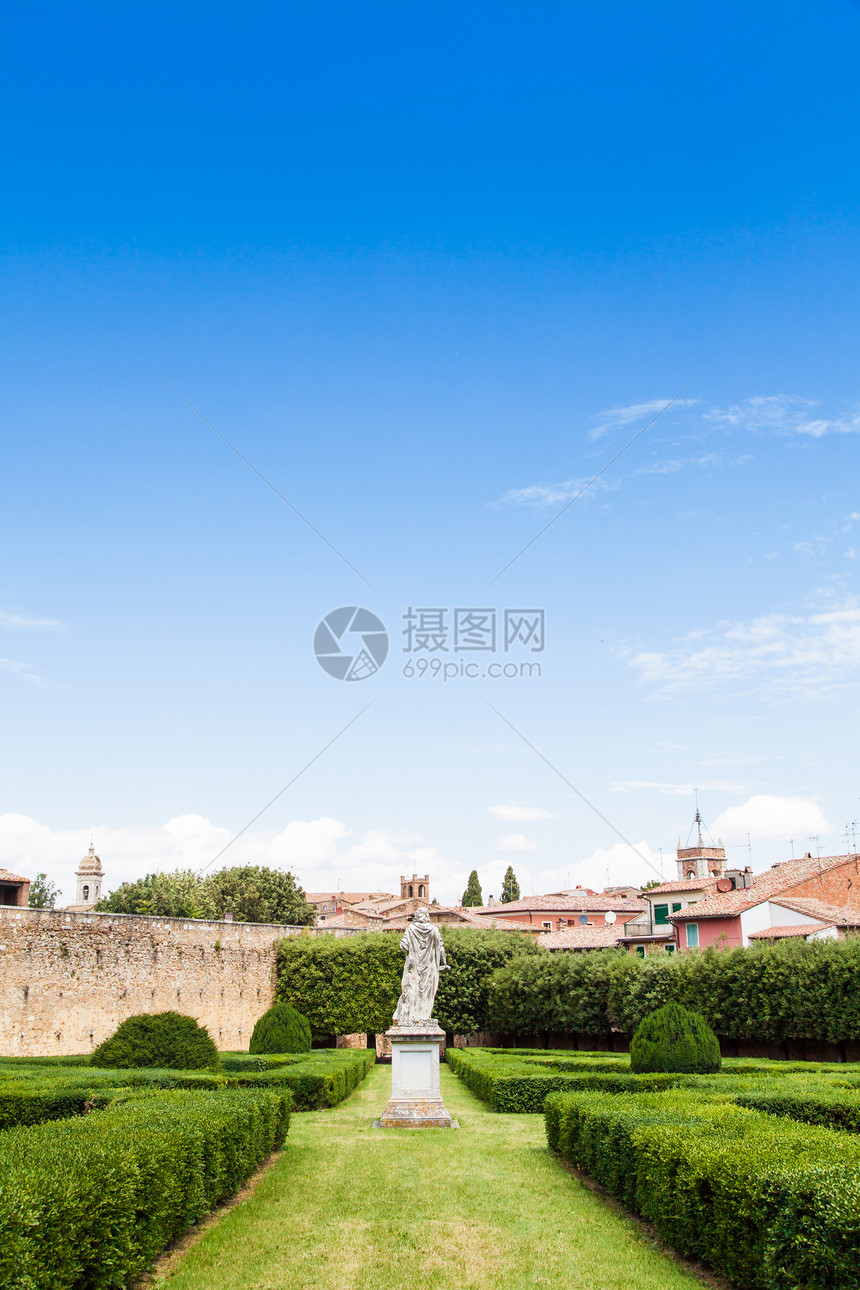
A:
(429, 272)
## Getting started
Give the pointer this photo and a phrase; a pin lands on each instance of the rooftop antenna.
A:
(817, 840)
(749, 849)
(791, 840)
(661, 864)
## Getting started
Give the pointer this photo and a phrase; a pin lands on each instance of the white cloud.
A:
(20, 622)
(24, 670)
(765, 816)
(516, 842)
(805, 655)
(612, 866)
(611, 418)
(676, 790)
(539, 495)
(783, 414)
(513, 812)
(319, 852)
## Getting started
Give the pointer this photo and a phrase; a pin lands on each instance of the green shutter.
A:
(661, 914)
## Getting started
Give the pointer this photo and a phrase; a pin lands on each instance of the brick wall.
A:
(67, 980)
(838, 887)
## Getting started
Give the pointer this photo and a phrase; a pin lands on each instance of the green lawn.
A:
(484, 1207)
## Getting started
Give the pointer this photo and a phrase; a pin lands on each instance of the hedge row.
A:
(91, 1201)
(771, 1204)
(319, 1079)
(768, 993)
(835, 1108)
(522, 1083)
(351, 985)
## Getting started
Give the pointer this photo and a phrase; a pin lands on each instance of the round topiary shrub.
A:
(163, 1039)
(674, 1039)
(281, 1030)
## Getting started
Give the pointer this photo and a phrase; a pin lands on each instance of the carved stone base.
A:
(416, 1100)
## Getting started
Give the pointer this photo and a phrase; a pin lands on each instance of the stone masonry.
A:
(68, 979)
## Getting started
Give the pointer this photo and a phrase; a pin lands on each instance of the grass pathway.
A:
(348, 1206)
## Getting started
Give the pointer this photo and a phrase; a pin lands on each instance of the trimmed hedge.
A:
(771, 1204)
(767, 993)
(281, 1029)
(91, 1201)
(165, 1039)
(518, 1084)
(675, 1039)
(321, 1079)
(831, 1107)
(351, 985)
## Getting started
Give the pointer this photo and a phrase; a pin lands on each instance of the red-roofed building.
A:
(14, 890)
(793, 893)
(579, 908)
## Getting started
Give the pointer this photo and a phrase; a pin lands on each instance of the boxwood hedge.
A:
(772, 1204)
(90, 1201)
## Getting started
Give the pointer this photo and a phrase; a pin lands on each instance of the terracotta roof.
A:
(841, 916)
(576, 904)
(683, 884)
(781, 878)
(790, 929)
(500, 924)
(341, 920)
(380, 906)
(347, 897)
(6, 876)
(582, 938)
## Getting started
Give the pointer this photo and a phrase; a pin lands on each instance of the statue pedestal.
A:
(416, 1100)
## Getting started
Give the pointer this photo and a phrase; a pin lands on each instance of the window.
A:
(669, 949)
(640, 951)
(661, 914)
(692, 936)
(676, 907)
(549, 925)
(691, 873)
(420, 891)
(86, 893)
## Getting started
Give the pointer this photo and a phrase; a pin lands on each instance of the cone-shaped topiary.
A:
(674, 1039)
(163, 1039)
(281, 1030)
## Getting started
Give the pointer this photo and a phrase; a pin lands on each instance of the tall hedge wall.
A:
(345, 986)
(767, 993)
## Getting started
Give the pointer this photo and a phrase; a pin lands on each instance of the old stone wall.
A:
(68, 979)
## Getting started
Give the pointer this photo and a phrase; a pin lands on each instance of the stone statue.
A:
(425, 959)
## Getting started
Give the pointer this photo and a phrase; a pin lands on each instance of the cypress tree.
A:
(472, 894)
(510, 887)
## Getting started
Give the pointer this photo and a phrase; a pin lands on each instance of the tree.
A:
(251, 893)
(472, 894)
(255, 894)
(675, 1039)
(43, 894)
(510, 887)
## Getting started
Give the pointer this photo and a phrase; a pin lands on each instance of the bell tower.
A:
(89, 875)
(700, 861)
(415, 887)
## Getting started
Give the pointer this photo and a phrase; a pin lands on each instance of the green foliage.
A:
(43, 894)
(472, 894)
(91, 1201)
(510, 886)
(835, 1108)
(674, 1039)
(252, 893)
(281, 1030)
(554, 992)
(770, 1204)
(768, 993)
(163, 1039)
(346, 986)
(515, 1082)
(255, 894)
